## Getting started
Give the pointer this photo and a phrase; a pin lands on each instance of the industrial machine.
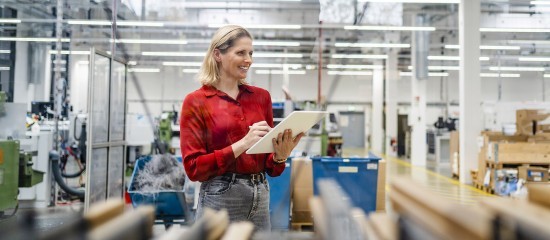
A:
(15, 172)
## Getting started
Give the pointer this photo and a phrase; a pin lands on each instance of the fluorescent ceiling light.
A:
(276, 55)
(359, 56)
(65, 52)
(301, 72)
(518, 69)
(139, 24)
(332, 66)
(184, 64)
(534, 59)
(132, 63)
(118, 23)
(89, 22)
(144, 70)
(547, 75)
(260, 26)
(431, 74)
(24, 39)
(540, 2)
(275, 65)
(7, 20)
(174, 54)
(373, 45)
(455, 68)
(487, 47)
(194, 70)
(350, 73)
(5, 51)
(4, 68)
(516, 30)
(509, 75)
(274, 43)
(411, 1)
(150, 41)
(389, 28)
(453, 58)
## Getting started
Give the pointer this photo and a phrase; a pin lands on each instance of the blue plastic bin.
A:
(279, 199)
(170, 204)
(357, 176)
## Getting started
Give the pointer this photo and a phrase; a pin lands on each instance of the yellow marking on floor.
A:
(448, 179)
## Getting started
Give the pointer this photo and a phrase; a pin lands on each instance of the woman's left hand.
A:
(284, 143)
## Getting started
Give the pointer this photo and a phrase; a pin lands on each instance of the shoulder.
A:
(258, 90)
(195, 97)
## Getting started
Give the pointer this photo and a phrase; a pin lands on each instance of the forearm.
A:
(238, 148)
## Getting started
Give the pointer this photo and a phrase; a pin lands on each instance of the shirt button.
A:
(238, 104)
(242, 119)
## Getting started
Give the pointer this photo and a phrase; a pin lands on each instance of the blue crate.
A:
(279, 199)
(357, 176)
(170, 204)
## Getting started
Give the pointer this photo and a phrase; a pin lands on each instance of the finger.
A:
(298, 137)
(274, 142)
(289, 135)
(261, 123)
(280, 138)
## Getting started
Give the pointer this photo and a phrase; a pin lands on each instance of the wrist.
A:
(278, 160)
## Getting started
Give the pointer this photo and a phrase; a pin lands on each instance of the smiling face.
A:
(236, 60)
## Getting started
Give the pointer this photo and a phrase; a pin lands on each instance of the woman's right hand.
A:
(255, 133)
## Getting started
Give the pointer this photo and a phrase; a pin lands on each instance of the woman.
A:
(220, 121)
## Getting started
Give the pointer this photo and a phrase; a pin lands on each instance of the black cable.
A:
(54, 158)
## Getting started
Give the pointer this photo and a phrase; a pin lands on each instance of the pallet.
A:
(500, 165)
(302, 226)
(484, 188)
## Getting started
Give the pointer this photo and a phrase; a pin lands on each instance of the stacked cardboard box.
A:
(531, 122)
(302, 191)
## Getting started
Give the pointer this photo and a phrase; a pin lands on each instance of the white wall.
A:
(170, 86)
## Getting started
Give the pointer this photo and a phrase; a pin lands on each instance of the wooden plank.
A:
(239, 231)
(320, 221)
(103, 212)
(515, 212)
(539, 193)
(383, 226)
(136, 224)
(381, 186)
(443, 218)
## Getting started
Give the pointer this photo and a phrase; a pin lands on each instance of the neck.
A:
(227, 85)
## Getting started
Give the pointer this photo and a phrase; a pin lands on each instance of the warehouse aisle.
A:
(442, 185)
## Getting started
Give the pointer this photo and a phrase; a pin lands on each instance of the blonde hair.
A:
(223, 39)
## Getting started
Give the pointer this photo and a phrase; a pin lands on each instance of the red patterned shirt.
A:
(211, 121)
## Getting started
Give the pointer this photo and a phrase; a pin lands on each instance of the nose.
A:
(248, 58)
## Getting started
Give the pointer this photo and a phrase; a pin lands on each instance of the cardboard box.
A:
(527, 119)
(302, 190)
(454, 145)
(533, 174)
(381, 186)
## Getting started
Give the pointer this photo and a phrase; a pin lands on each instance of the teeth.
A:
(246, 68)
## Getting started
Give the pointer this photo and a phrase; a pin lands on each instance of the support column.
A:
(469, 87)
(392, 76)
(417, 116)
(377, 133)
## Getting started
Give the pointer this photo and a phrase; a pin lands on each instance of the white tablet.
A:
(297, 121)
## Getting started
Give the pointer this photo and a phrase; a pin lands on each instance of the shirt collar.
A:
(210, 91)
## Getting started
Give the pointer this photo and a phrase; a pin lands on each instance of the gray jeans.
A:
(244, 199)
